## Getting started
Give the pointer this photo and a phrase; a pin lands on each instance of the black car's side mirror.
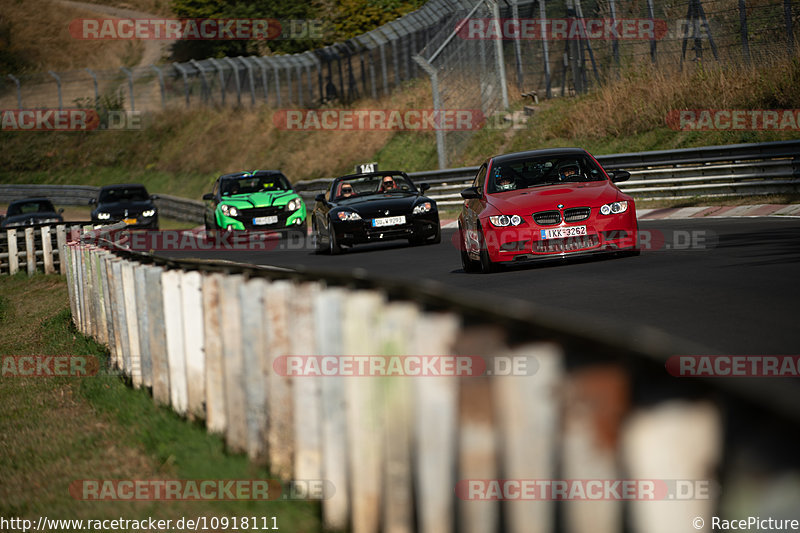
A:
(61, 211)
(620, 175)
(92, 201)
(470, 193)
(320, 197)
(154, 197)
(208, 196)
(424, 187)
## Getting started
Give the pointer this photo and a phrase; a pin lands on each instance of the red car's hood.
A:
(525, 201)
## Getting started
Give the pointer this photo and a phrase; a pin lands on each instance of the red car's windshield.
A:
(533, 172)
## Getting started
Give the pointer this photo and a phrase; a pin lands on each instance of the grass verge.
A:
(54, 431)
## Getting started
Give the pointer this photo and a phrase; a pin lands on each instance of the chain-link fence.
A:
(552, 48)
(371, 65)
(474, 52)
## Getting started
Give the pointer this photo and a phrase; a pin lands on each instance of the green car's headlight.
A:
(229, 210)
(294, 204)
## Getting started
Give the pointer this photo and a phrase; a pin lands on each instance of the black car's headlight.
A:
(614, 208)
(294, 204)
(501, 221)
(149, 213)
(103, 216)
(348, 215)
(422, 208)
(229, 210)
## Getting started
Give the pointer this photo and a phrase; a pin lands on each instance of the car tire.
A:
(333, 247)
(317, 238)
(467, 265)
(486, 264)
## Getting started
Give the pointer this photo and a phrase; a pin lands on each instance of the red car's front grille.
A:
(547, 218)
(576, 214)
(571, 244)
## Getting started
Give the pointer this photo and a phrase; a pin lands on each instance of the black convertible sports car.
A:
(374, 207)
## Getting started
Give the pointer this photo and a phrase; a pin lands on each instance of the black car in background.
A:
(374, 207)
(129, 203)
(31, 212)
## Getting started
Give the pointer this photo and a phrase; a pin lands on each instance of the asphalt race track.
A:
(724, 286)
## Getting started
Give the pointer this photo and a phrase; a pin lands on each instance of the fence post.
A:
(185, 77)
(230, 305)
(279, 388)
(131, 324)
(306, 390)
(66, 260)
(787, 15)
(256, 371)
(120, 321)
(19, 91)
(441, 148)
(435, 429)
(362, 312)
(671, 440)
(595, 400)
(61, 241)
(30, 251)
(398, 508)
(235, 70)
(13, 252)
(47, 251)
(528, 414)
(158, 334)
(94, 79)
(173, 328)
(144, 319)
(105, 259)
(129, 74)
(115, 341)
(192, 301)
(161, 85)
(328, 327)
(100, 296)
(216, 420)
(58, 85)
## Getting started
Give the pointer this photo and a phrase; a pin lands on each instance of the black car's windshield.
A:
(25, 208)
(123, 194)
(252, 184)
(536, 171)
(372, 184)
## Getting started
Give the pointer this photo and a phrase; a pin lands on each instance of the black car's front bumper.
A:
(141, 222)
(361, 231)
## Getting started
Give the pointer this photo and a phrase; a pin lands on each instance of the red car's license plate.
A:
(563, 233)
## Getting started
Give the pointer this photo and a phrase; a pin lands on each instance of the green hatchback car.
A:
(262, 200)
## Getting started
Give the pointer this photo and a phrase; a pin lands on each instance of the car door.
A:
(472, 210)
(210, 208)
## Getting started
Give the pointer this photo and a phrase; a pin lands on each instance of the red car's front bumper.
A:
(603, 233)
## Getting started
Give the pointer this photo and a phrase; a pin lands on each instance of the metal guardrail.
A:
(204, 337)
(170, 206)
(732, 170)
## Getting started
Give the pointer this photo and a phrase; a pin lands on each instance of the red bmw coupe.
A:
(542, 204)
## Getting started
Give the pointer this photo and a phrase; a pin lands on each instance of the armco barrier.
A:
(204, 337)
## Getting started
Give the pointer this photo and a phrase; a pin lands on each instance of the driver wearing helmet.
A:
(568, 171)
(504, 182)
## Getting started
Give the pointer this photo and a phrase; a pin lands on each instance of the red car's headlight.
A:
(501, 221)
(614, 208)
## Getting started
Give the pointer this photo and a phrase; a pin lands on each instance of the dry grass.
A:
(642, 99)
(39, 39)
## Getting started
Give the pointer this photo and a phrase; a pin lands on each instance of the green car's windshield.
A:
(534, 172)
(254, 184)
